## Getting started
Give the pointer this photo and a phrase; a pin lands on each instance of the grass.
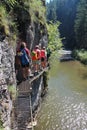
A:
(37, 11)
(4, 22)
(12, 91)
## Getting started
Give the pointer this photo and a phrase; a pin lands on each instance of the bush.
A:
(80, 55)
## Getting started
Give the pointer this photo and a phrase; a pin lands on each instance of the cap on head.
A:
(43, 47)
(36, 46)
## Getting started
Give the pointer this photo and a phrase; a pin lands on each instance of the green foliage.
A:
(51, 11)
(17, 13)
(81, 25)
(65, 12)
(37, 11)
(4, 21)
(7, 18)
(11, 3)
(12, 91)
(81, 55)
(54, 40)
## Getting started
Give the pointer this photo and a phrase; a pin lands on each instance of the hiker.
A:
(25, 60)
(34, 61)
(38, 52)
(48, 53)
(43, 57)
(17, 58)
(48, 56)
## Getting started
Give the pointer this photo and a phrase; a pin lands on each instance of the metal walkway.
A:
(23, 106)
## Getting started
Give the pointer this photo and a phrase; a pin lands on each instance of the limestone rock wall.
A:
(7, 77)
(34, 35)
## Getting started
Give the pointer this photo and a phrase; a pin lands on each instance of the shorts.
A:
(35, 62)
(24, 66)
(42, 59)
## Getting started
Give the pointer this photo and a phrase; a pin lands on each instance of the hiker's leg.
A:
(27, 71)
(34, 66)
(39, 65)
(44, 62)
(24, 72)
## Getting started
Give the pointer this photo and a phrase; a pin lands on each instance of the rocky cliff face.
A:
(33, 31)
(7, 78)
(34, 36)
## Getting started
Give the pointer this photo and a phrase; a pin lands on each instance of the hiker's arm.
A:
(29, 56)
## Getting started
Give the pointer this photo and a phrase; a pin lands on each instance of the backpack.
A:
(34, 55)
(24, 57)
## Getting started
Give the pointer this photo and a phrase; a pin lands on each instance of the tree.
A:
(51, 11)
(54, 40)
(65, 13)
(81, 25)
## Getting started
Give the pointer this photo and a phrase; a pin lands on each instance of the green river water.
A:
(65, 105)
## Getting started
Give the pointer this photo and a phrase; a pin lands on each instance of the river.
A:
(65, 105)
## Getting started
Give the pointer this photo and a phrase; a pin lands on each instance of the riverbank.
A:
(80, 55)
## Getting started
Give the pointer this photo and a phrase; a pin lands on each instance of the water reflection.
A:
(65, 106)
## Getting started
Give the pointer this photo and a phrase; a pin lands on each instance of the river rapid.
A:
(65, 105)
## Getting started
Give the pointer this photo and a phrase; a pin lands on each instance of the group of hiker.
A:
(31, 61)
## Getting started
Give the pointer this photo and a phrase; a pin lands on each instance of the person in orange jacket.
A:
(34, 61)
(38, 52)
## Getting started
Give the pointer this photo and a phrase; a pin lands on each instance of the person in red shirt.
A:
(43, 57)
